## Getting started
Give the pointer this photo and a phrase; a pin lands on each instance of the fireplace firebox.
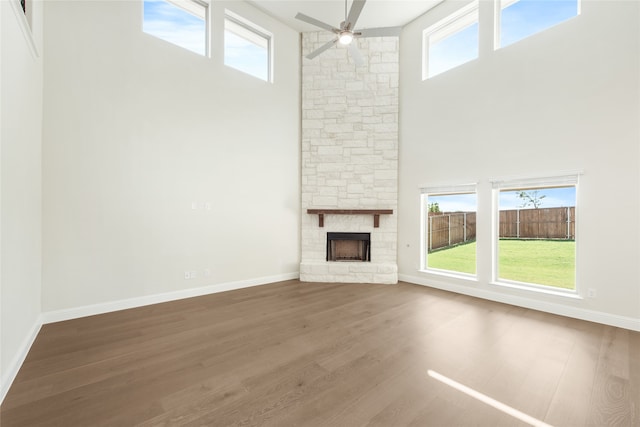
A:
(349, 247)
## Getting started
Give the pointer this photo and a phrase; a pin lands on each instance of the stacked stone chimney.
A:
(350, 155)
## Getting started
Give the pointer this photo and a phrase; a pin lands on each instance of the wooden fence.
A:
(541, 223)
(446, 229)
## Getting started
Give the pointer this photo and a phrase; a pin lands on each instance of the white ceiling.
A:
(376, 13)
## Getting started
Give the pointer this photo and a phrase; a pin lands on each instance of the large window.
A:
(247, 47)
(449, 221)
(518, 19)
(181, 22)
(451, 42)
(536, 232)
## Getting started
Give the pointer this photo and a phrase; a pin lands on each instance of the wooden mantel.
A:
(375, 212)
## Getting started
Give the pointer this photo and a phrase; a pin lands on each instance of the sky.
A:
(527, 17)
(554, 197)
(454, 50)
(172, 24)
(518, 20)
(245, 56)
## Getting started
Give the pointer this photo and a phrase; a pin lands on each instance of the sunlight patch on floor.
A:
(488, 400)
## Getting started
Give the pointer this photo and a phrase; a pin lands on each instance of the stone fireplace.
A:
(349, 161)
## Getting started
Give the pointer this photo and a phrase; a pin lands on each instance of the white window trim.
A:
(454, 22)
(255, 34)
(562, 179)
(449, 189)
(197, 8)
(25, 26)
(442, 190)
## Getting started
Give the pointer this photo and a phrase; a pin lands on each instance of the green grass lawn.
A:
(545, 262)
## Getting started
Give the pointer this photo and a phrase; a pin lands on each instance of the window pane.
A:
(522, 18)
(246, 50)
(451, 42)
(182, 23)
(456, 49)
(537, 236)
(451, 232)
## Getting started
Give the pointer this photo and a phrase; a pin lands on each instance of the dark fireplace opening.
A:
(349, 247)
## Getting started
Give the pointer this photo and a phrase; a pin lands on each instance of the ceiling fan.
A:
(346, 33)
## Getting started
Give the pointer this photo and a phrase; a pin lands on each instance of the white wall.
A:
(20, 184)
(564, 99)
(136, 129)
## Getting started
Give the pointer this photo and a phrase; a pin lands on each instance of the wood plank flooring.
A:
(314, 354)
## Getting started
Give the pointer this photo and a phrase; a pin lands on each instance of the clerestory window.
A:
(519, 19)
(451, 42)
(183, 23)
(247, 47)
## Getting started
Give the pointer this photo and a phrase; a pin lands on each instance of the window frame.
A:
(254, 30)
(570, 179)
(442, 190)
(446, 27)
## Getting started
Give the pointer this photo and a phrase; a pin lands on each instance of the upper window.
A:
(451, 42)
(247, 47)
(519, 19)
(181, 22)
(536, 232)
(449, 218)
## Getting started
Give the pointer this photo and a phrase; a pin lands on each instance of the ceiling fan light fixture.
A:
(347, 31)
(345, 38)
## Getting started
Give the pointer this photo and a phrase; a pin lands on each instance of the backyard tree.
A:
(531, 198)
(434, 207)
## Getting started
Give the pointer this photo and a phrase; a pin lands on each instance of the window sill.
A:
(539, 289)
(450, 274)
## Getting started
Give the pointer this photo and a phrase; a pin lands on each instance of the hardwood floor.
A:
(310, 354)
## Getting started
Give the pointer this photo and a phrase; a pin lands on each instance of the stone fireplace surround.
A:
(349, 156)
(381, 269)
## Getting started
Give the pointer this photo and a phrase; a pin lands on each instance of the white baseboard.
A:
(547, 307)
(90, 310)
(18, 360)
(73, 313)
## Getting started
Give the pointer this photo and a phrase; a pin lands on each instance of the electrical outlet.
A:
(194, 274)
(591, 293)
(194, 205)
(187, 275)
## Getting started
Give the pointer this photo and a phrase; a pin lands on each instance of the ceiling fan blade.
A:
(313, 21)
(322, 48)
(354, 13)
(355, 54)
(379, 32)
